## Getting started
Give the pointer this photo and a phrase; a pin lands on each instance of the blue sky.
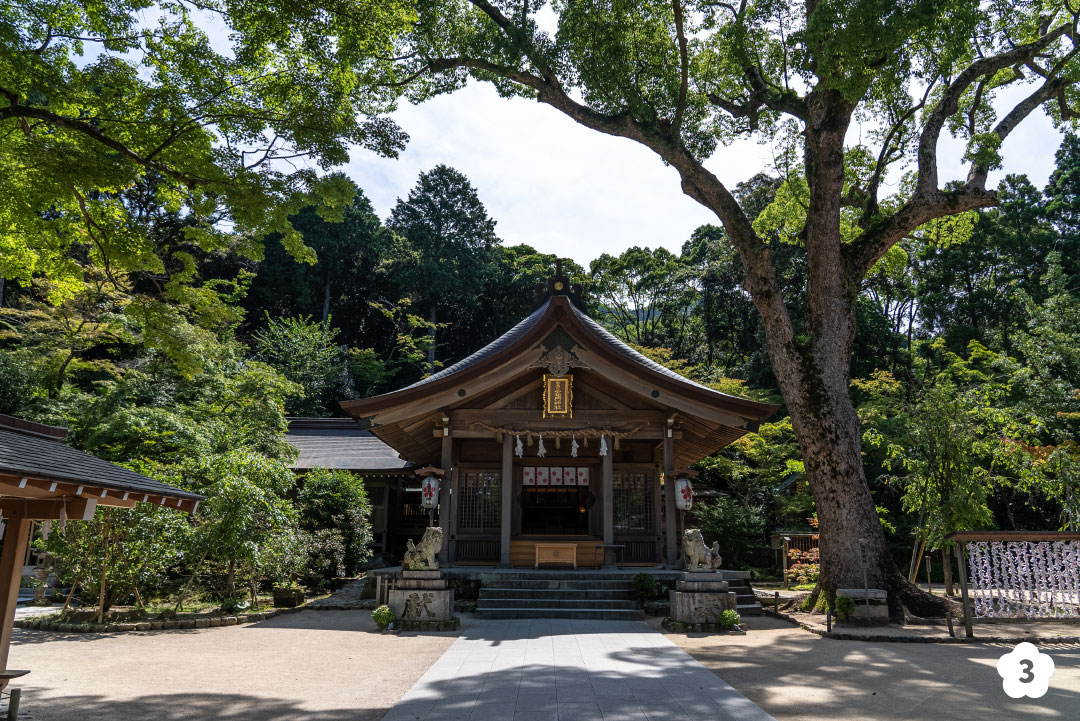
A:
(572, 191)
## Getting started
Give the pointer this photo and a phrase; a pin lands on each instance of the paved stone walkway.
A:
(555, 670)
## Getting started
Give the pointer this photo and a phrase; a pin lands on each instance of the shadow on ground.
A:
(185, 707)
(795, 675)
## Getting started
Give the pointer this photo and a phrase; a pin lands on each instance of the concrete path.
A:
(556, 670)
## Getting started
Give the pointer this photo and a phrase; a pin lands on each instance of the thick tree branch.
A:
(762, 95)
(884, 233)
(697, 181)
(79, 126)
(928, 202)
(885, 155)
(684, 66)
(1047, 91)
(949, 103)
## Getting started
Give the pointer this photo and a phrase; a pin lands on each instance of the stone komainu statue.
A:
(696, 554)
(421, 557)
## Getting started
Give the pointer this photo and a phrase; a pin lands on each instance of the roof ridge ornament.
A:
(558, 361)
(559, 284)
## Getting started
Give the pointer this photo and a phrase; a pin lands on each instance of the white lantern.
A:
(430, 492)
(684, 494)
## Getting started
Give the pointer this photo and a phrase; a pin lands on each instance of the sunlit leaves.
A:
(234, 107)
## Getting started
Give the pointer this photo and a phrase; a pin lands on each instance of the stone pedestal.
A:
(422, 601)
(701, 597)
(874, 614)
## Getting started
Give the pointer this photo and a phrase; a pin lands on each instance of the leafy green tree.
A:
(244, 521)
(1063, 207)
(336, 499)
(96, 97)
(121, 552)
(683, 78)
(972, 282)
(445, 256)
(646, 295)
(304, 351)
(511, 291)
(348, 273)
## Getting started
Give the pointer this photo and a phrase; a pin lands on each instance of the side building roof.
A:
(34, 451)
(341, 444)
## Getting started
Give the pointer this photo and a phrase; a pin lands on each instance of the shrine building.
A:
(555, 442)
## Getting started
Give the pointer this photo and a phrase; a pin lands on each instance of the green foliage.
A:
(322, 558)
(383, 616)
(445, 244)
(304, 351)
(845, 606)
(729, 618)
(120, 552)
(102, 98)
(645, 587)
(737, 527)
(245, 521)
(337, 500)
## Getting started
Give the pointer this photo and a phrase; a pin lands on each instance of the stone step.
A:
(566, 584)
(605, 614)
(567, 575)
(540, 603)
(562, 594)
(749, 609)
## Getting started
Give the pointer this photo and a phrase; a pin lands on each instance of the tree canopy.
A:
(686, 78)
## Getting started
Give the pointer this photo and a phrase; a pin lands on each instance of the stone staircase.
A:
(746, 602)
(554, 594)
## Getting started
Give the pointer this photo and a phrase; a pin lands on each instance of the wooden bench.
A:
(556, 553)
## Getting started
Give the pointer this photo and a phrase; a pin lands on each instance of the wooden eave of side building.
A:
(627, 391)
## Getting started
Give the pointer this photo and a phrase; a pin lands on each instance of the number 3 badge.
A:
(1025, 671)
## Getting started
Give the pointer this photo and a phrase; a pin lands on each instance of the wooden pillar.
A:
(446, 513)
(657, 515)
(608, 497)
(11, 565)
(669, 499)
(506, 517)
(959, 548)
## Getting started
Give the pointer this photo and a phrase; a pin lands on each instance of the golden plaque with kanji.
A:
(558, 396)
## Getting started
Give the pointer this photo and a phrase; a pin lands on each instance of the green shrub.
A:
(845, 606)
(645, 587)
(383, 616)
(235, 605)
(325, 552)
(730, 618)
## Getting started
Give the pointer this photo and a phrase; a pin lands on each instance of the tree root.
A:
(905, 600)
(918, 602)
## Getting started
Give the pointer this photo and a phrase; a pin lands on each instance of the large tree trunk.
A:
(431, 351)
(326, 300)
(812, 359)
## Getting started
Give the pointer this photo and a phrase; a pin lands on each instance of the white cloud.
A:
(565, 189)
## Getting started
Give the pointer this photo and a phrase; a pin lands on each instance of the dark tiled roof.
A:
(612, 342)
(340, 443)
(30, 454)
(506, 340)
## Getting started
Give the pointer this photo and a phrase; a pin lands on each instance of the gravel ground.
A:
(313, 665)
(1009, 631)
(797, 676)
